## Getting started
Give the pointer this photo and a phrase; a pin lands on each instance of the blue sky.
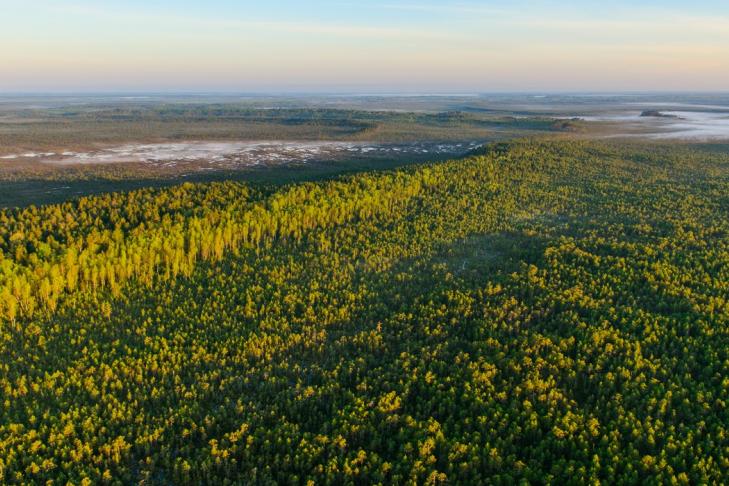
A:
(350, 46)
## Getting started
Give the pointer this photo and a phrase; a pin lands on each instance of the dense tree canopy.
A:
(541, 312)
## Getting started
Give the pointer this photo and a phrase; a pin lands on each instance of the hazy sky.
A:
(364, 46)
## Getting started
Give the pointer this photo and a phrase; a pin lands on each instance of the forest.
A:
(541, 311)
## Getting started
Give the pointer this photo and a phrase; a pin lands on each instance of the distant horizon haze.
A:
(160, 93)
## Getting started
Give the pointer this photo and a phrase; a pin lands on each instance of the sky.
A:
(378, 46)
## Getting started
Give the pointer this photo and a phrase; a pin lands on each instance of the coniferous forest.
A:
(542, 311)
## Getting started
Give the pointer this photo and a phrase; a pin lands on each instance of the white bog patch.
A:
(242, 154)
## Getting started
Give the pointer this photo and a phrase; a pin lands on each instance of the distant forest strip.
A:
(83, 127)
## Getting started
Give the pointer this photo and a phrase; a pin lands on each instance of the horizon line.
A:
(353, 93)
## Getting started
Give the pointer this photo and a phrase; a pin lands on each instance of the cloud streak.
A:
(334, 29)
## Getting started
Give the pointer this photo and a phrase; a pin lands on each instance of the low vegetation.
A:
(88, 126)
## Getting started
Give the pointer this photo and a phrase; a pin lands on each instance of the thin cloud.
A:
(642, 20)
(302, 27)
(455, 9)
(668, 24)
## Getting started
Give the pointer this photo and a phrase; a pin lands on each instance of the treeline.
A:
(92, 255)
